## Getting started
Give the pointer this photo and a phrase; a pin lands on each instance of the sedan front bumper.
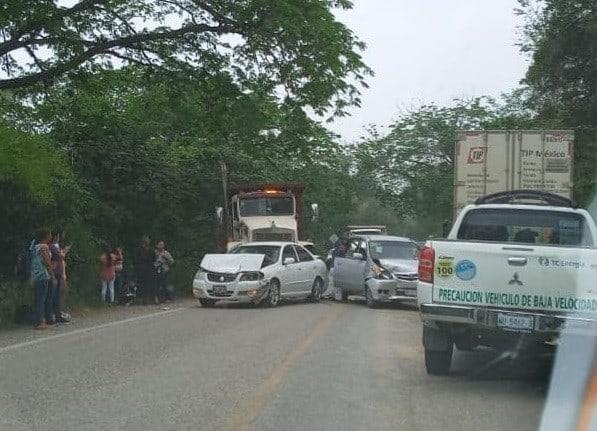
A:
(407, 289)
(238, 292)
(383, 290)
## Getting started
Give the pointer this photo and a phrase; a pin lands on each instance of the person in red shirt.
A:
(107, 275)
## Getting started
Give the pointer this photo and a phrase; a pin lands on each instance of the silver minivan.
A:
(382, 268)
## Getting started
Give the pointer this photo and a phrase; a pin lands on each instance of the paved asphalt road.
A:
(326, 366)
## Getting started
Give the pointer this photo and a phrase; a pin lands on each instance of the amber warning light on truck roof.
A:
(271, 192)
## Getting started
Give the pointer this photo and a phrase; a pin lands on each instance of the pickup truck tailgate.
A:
(533, 277)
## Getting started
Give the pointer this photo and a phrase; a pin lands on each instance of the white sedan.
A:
(260, 272)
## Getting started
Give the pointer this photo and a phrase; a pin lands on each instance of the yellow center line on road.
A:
(250, 409)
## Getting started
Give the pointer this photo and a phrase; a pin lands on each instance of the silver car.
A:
(383, 268)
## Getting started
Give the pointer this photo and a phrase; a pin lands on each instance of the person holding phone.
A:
(163, 262)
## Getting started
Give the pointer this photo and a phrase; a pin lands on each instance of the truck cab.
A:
(265, 212)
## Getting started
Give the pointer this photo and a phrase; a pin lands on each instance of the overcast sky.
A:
(431, 51)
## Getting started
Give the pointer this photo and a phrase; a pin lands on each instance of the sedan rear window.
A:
(525, 226)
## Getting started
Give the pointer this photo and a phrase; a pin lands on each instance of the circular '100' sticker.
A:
(465, 270)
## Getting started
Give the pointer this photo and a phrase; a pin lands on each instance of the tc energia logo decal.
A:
(465, 270)
(560, 263)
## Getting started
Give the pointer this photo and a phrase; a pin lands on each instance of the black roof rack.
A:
(508, 197)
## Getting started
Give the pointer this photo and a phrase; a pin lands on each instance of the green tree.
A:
(561, 38)
(413, 164)
(561, 82)
(295, 44)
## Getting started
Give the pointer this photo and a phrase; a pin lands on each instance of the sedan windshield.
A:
(266, 206)
(393, 250)
(271, 252)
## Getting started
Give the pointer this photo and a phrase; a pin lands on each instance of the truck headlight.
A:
(199, 275)
(381, 273)
(251, 276)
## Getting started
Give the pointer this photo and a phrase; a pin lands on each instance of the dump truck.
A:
(265, 212)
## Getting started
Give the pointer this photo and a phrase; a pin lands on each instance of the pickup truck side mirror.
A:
(289, 260)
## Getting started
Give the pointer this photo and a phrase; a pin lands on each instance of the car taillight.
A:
(426, 264)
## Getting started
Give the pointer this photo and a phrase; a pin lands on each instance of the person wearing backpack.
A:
(42, 275)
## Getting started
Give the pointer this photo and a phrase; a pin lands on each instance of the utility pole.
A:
(224, 169)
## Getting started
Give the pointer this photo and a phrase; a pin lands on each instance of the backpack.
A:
(23, 264)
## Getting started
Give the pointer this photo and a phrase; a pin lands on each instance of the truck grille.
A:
(221, 278)
(272, 236)
(407, 277)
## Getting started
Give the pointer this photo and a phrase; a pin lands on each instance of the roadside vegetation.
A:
(110, 132)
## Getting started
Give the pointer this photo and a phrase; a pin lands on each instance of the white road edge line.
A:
(84, 330)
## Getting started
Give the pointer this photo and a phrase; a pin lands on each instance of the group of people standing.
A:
(47, 270)
(48, 273)
(152, 268)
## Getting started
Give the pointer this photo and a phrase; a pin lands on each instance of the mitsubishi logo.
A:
(221, 278)
(515, 280)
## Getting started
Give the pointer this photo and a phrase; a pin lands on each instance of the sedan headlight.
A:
(251, 276)
(381, 273)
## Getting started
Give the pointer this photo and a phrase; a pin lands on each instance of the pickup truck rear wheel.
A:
(438, 362)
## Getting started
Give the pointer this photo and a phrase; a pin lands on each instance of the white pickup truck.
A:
(516, 269)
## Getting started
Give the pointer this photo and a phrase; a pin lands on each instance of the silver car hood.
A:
(232, 263)
(406, 266)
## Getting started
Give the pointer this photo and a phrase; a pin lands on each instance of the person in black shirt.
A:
(144, 269)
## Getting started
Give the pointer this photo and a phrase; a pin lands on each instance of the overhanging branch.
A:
(95, 48)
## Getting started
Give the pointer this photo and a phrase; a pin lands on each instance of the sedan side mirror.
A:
(289, 260)
(358, 256)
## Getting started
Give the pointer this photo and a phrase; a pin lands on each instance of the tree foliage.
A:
(413, 164)
(561, 82)
(295, 44)
(561, 37)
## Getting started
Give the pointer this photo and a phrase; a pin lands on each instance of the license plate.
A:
(515, 322)
(410, 292)
(220, 290)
